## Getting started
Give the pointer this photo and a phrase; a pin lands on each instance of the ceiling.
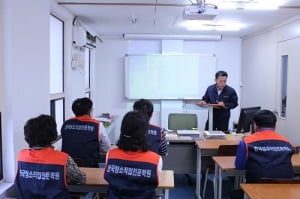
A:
(112, 18)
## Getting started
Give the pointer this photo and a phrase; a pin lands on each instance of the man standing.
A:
(223, 95)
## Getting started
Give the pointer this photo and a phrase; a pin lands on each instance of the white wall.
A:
(110, 70)
(259, 74)
(24, 67)
(1, 52)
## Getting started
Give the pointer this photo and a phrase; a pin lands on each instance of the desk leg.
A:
(219, 183)
(210, 118)
(237, 181)
(166, 193)
(198, 178)
(216, 181)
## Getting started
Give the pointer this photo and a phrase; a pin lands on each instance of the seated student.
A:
(156, 136)
(265, 153)
(82, 136)
(132, 171)
(42, 171)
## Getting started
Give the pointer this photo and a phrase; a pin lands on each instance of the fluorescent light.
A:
(173, 37)
(215, 28)
(194, 1)
(247, 4)
(260, 7)
(208, 26)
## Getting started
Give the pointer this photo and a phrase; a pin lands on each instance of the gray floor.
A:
(184, 190)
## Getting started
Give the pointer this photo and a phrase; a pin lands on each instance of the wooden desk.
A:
(225, 167)
(209, 148)
(272, 191)
(95, 181)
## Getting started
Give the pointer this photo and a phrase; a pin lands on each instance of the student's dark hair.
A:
(221, 73)
(134, 128)
(40, 131)
(265, 119)
(145, 106)
(82, 106)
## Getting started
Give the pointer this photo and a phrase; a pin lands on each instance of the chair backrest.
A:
(182, 121)
(227, 150)
(79, 162)
(279, 181)
(297, 149)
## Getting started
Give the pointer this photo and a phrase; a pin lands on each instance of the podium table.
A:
(210, 108)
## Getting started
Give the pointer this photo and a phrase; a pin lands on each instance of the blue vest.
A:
(80, 139)
(131, 175)
(154, 137)
(42, 174)
(269, 156)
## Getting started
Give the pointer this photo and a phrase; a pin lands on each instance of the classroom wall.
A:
(24, 70)
(26, 94)
(109, 87)
(1, 53)
(259, 74)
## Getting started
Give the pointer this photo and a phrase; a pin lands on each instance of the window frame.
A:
(87, 66)
(283, 91)
(54, 97)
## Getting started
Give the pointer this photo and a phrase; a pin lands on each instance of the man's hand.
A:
(201, 102)
(222, 104)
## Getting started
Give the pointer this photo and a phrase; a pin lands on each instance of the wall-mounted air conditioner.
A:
(82, 38)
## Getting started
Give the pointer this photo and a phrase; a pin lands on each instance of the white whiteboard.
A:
(168, 76)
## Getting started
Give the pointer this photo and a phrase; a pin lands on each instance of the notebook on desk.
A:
(188, 132)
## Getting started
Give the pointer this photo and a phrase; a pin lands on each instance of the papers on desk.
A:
(214, 134)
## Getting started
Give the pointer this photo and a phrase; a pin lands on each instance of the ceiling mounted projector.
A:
(200, 11)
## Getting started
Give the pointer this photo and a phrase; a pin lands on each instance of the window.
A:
(284, 69)
(87, 65)
(57, 107)
(57, 96)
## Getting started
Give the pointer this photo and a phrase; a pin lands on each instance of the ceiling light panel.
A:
(208, 25)
(247, 4)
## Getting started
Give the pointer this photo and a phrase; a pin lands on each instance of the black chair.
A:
(279, 181)
(297, 148)
(79, 162)
(223, 150)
